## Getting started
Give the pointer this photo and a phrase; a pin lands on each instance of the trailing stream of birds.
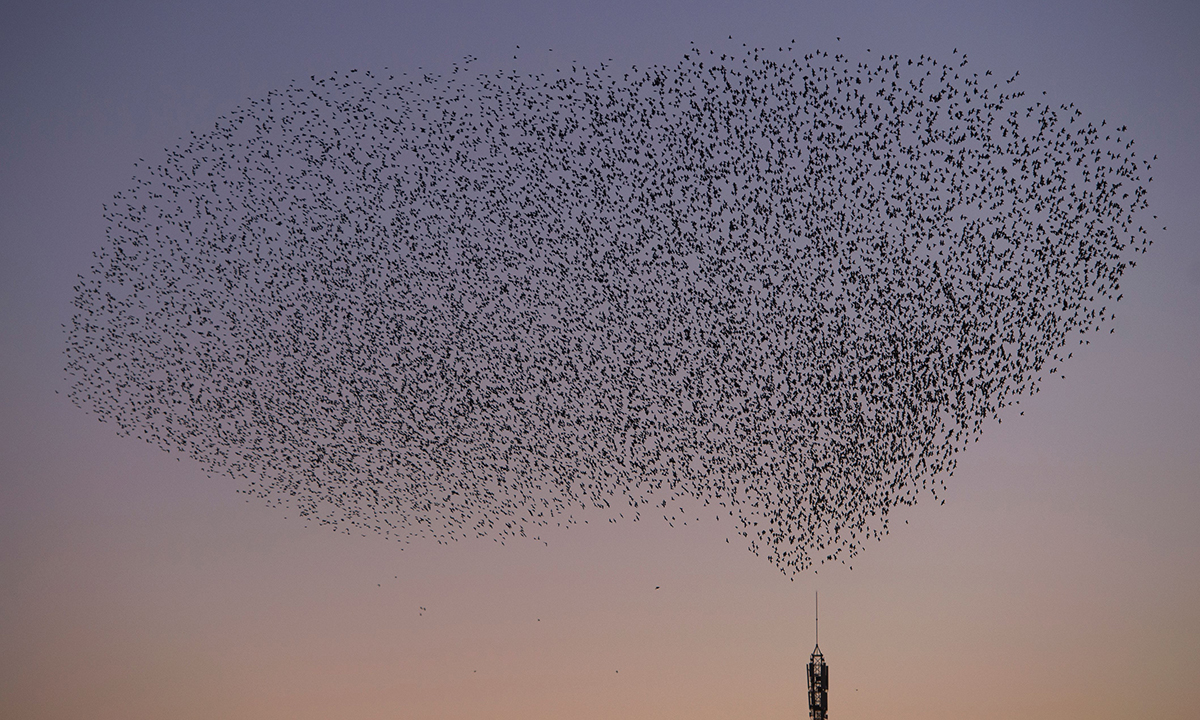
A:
(780, 290)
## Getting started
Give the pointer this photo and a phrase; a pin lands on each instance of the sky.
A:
(1060, 579)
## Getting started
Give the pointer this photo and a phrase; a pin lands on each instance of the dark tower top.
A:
(818, 686)
(818, 673)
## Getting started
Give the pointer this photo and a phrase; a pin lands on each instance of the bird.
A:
(783, 287)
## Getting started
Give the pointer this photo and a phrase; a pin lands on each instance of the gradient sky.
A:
(1061, 579)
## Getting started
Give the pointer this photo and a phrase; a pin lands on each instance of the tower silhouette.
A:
(818, 675)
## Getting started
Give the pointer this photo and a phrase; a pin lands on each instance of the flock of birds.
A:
(782, 288)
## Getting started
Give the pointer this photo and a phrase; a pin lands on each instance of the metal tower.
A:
(818, 677)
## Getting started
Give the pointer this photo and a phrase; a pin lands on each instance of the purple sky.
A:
(1061, 579)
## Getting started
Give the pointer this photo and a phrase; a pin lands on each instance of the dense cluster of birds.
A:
(780, 288)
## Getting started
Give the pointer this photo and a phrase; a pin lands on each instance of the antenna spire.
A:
(817, 615)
